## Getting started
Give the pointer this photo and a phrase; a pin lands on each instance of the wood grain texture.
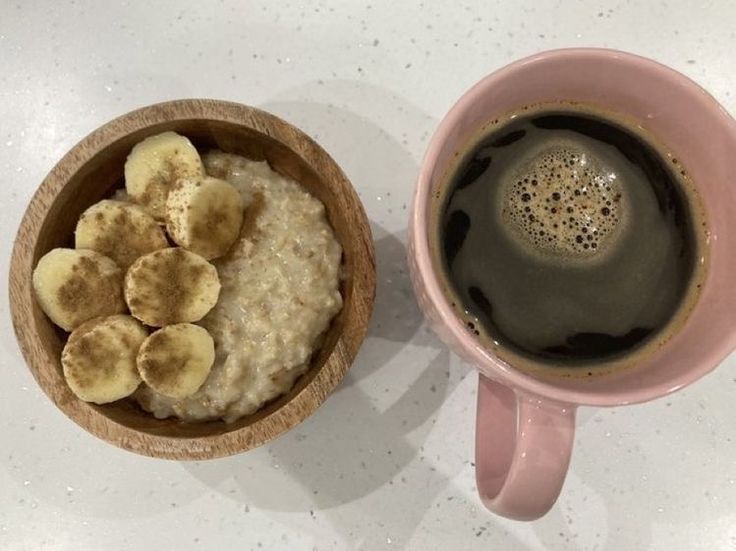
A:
(91, 171)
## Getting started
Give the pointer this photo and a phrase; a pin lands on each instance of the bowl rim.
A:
(288, 415)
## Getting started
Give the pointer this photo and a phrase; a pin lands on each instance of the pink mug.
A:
(525, 426)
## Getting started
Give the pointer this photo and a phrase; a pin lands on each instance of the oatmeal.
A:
(280, 291)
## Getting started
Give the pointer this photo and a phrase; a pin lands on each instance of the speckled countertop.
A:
(386, 463)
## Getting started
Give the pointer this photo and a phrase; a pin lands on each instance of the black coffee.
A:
(568, 237)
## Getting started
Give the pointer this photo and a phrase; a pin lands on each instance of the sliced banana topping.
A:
(123, 261)
(122, 231)
(171, 286)
(76, 285)
(155, 164)
(204, 215)
(176, 360)
(99, 359)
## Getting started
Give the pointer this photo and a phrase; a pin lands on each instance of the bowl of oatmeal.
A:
(296, 286)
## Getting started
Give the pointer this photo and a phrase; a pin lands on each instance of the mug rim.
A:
(485, 360)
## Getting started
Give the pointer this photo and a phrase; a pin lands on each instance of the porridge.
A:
(279, 293)
(202, 290)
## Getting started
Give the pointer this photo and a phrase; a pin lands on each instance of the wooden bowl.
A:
(91, 171)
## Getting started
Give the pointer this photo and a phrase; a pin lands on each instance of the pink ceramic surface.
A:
(525, 426)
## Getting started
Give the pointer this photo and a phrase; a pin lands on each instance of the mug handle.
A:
(523, 445)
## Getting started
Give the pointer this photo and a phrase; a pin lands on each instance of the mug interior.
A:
(693, 126)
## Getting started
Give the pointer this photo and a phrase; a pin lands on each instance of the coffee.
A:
(568, 237)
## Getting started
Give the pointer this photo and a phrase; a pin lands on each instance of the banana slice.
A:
(99, 359)
(73, 286)
(155, 164)
(171, 286)
(204, 215)
(122, 231)
(175, 361)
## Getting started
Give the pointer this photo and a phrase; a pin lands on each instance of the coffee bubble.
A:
(564, 201)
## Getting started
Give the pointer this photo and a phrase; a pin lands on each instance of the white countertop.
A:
(386, 463)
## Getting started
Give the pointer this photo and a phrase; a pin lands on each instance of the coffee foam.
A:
(563, 201)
